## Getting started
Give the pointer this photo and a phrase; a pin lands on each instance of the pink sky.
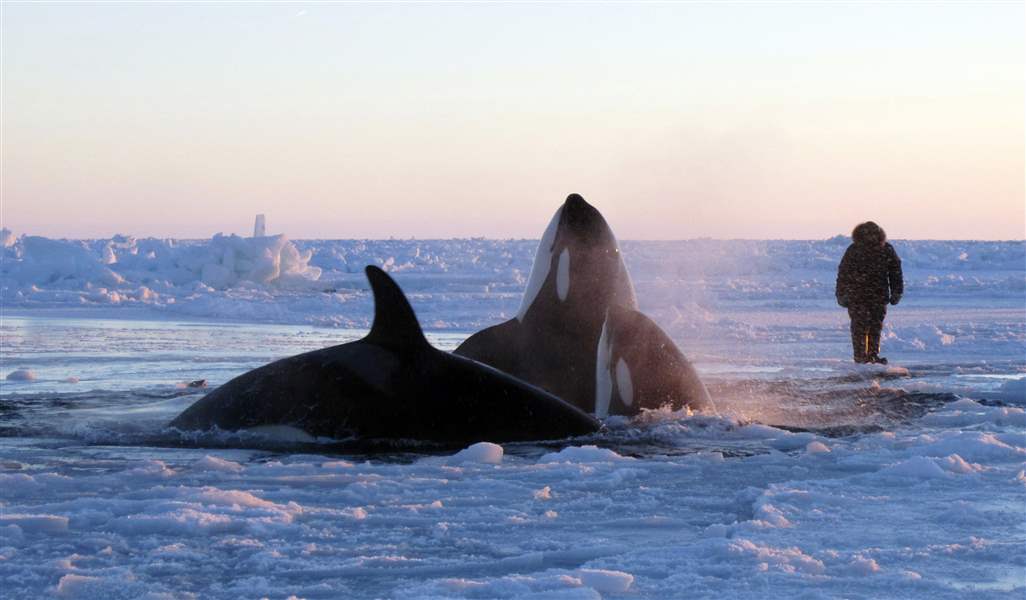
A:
(677, 121)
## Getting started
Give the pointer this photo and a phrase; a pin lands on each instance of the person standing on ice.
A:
(868, 277)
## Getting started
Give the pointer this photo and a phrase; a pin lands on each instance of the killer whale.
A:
(639, 367)
(578, 273)
(579, 334)
(391, 384)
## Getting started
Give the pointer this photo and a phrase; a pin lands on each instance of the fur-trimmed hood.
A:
(868, 233)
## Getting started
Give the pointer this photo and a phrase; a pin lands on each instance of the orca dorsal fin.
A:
(395, 324)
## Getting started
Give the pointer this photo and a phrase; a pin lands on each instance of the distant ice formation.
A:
(263, 260)
(139, 268)
(472, 283)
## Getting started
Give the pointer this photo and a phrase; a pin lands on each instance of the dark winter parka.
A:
(870, 272)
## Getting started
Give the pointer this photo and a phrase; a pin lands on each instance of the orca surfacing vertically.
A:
(578, 274)
(579, 289)
(392, 384)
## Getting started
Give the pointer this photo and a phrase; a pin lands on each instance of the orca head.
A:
(582, 220)
(395, 324)
(578, 262)
(639, 366)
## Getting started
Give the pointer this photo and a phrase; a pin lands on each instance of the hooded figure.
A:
(868, 278)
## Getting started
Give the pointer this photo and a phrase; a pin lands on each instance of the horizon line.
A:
(511, 239)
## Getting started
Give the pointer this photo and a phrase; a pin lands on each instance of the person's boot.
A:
(878, 360)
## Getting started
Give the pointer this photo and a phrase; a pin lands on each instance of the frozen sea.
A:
(818, 479)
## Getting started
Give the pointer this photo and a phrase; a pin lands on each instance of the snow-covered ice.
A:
(819, 479)
(465, 284)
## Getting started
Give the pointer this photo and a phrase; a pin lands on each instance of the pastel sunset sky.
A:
(369, 120)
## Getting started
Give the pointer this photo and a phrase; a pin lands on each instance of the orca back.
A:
(391, 384)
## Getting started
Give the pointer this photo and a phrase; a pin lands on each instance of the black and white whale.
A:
(579, 289)
(392, 384)
(578, 274)
(639, 367)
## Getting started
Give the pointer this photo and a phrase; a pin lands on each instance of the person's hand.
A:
(842, 301)
(895, 299)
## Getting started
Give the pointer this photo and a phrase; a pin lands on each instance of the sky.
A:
(433, 120)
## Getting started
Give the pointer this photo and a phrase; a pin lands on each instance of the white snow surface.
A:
(820, 479)
(892, 514)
